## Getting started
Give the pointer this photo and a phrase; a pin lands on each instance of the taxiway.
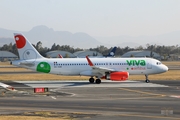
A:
(109, 100)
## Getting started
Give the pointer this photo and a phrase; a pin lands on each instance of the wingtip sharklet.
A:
(89, 61)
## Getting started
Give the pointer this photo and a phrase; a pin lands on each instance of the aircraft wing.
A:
(98, 70)
(101, 70)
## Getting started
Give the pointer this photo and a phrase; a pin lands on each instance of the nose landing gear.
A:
(147, 80)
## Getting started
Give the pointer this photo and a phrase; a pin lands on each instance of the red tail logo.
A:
(20, 41)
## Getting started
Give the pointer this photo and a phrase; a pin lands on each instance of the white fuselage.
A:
(80, 66)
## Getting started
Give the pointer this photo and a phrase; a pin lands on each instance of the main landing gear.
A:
(91, 80)
(147, 80)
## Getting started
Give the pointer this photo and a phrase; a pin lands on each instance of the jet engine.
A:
(117, 76)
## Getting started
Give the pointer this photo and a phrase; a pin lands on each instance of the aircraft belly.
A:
(137, 72)
(67, 71)
(86, 73)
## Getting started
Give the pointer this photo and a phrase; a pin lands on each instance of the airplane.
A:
(112, 52)
(115, 69)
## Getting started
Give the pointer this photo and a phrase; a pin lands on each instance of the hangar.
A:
(83, 54)
(55, 54)
(7, 56)
(142, 54)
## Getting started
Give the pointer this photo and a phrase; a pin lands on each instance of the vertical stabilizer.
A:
(25, 49)
(112, 52)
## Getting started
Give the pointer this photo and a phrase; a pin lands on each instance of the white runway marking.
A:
(53, 97)
(175, 96)
(63, 84)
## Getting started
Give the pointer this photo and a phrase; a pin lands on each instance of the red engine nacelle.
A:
(117, 76)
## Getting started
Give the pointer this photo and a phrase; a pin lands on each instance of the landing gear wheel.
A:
(147, 80)
(91, 80)
(98, 81)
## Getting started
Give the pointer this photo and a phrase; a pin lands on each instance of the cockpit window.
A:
(158, 63)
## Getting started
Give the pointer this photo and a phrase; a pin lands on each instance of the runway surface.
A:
(109, 100)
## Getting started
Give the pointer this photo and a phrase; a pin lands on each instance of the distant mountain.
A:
(6, 33)
(82, 40)
(4, 41)
(167, 39)
(6, 36)
(48, 37)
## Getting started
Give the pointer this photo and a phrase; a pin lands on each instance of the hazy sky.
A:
(94, 17)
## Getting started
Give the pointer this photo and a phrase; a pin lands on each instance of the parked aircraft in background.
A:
(115, 69)
(112, 52)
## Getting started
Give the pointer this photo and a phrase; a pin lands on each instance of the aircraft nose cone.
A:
(165, 68)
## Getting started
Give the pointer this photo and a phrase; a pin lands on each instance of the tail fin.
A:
(60, 56)
(25, 49)
(112, 52)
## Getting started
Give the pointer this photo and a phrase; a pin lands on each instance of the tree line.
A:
(160, 49)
